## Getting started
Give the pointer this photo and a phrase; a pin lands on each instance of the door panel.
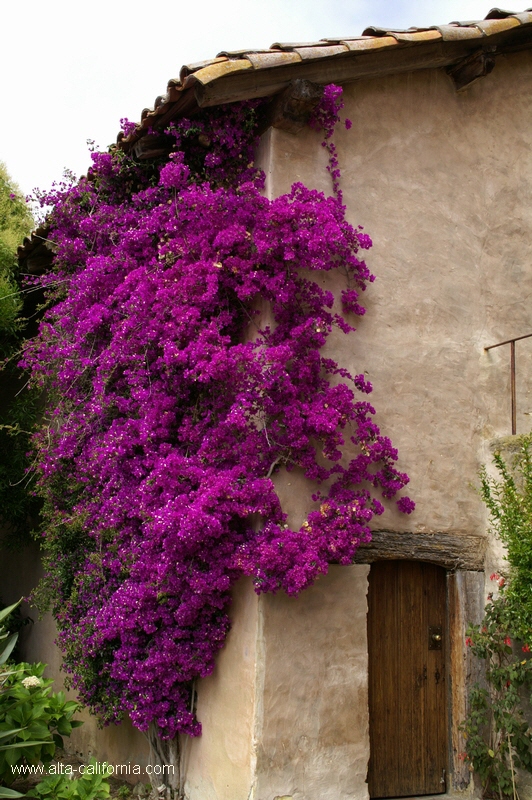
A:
(407, 685)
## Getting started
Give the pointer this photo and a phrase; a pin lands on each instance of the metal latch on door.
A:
(435, 637)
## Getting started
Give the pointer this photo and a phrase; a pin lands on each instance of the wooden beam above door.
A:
(449, 550)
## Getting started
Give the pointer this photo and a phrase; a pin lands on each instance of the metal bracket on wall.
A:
(512, 342)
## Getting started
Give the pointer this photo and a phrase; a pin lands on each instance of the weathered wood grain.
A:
(407, 679)
(449, 550)
(465, 593)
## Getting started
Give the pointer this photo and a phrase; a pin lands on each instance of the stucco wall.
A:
(313, 742)
(442, 182)
(220, 764)
(285, 712)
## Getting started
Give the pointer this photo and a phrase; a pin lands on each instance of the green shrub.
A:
(18, 406)
(89, 786)
(498, 737)
(33, 719)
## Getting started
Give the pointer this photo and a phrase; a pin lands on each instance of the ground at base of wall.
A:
(467, 794)
(121, 790)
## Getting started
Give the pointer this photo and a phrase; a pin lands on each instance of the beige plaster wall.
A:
(313, 723)
(219, 765)
(285, 712)
(442, 182)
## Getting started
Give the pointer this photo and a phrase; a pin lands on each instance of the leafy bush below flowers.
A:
(91, 785)
(33, 719)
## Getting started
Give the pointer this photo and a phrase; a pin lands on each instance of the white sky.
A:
(70, 70)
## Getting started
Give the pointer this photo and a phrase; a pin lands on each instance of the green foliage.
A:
(15, 223)
(509, 501)
(18, 406)
(33, 722)
(33, 719)
(498, 738)
(10, 301)
(14, 623)
(89, 786)
(18, 414)
(16, 220)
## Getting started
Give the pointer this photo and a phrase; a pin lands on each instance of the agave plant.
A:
(5, 792)
(8, 793)
(7, 646)
(7, 649)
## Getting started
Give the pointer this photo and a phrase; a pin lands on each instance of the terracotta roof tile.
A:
(188, 69)
(495, 13)
(525, 18)
(240, 53)
(273, 58)
(453, 32)
(370, 43)
(221, 70)
(295, 45)
(500, 13)
(416, 37)
(493, 26)
(373, 30)
(323, 51)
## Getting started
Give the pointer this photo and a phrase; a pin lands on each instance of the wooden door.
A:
(407, 686)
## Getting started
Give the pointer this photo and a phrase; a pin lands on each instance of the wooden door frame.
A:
(465, 606)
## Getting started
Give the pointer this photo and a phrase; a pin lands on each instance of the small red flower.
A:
(494, 576)
(508, 641)
(469, 641)
(462, 756)
(525, 648)
(501, 582)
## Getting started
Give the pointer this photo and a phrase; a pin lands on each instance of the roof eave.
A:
(235, 77)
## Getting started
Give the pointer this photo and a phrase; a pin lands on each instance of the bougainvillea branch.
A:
(172, 406)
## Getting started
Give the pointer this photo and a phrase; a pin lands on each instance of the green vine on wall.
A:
(498, 736)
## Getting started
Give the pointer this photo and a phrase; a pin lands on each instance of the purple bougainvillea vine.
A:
(171, 407)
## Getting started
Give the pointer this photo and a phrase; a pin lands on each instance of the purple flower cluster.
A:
(325, 118)
(171, 405)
